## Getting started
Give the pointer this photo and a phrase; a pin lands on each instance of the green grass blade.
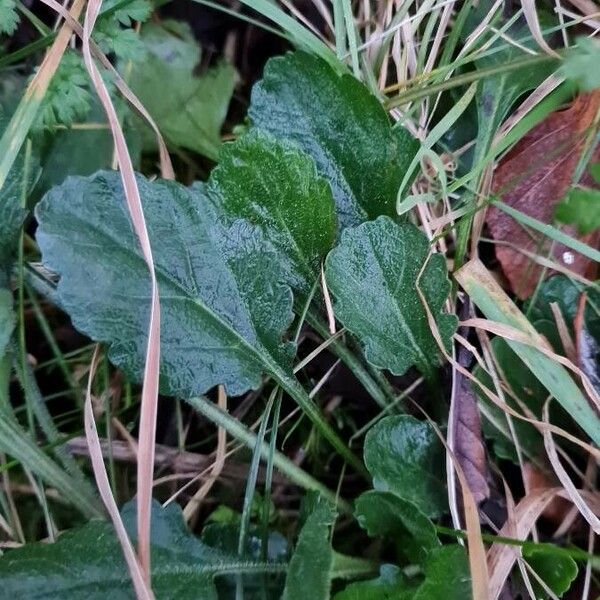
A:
(495, 304)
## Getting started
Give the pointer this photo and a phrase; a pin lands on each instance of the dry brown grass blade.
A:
(165, 160)
(149, 401)
(501, 557)
(193, 505)
(20, 123)
(574, 495)
(516, 335)
(464, 431)
(142, 590)
(532, 178)
(477, 558)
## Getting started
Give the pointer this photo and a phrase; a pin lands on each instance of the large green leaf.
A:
(291, 204)
(188, 109)
(373, 275)
(405, 457)
(336, 120)
(224, 306)
(383, 514)
(309, 573)
(223, 311)
(557, 571)
(88, 564)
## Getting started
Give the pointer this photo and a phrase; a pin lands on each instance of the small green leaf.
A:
(405, 457)
(447, 575)
(223, 311)
(390, 585)
(9, 18)
(387, 515)
(581, 208)
(336, 120)
(594, 171)
(581, 64)
(192, 113)
(292, 205)
(309, 572)
(557, 571)
(373, 275)
(68, 98)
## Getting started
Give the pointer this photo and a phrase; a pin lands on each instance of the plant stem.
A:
(241, 433)
(381, 390)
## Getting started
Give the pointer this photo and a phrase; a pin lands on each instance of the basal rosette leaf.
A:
(291, 204)
(335, 119)
(373, 275)
(223, 309)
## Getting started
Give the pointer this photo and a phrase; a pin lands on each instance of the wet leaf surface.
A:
(336, 120)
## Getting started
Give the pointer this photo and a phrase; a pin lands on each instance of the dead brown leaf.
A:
(466, 428)
(532, 178)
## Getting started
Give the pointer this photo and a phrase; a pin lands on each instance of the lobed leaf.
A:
(224, 311)
(192, 113)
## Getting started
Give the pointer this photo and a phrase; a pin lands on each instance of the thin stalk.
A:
(242, 434)
(464, 78)
(380, 392)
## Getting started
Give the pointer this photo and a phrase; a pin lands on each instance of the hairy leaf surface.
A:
(309, 571)
(87, 563)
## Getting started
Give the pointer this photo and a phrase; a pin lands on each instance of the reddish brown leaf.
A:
(532, 178)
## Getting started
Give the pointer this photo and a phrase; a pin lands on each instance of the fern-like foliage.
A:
(9, 18)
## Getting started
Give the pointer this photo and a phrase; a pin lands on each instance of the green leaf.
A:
(390, 585)
(383, 514)
(581, 64)
(192, 113)
(336, 120)
(298, 217)
(223, 312)
(594, 171)
(373, 274)
(224, 308)
(68, 98)
(405, 457)
(7, 319)
(581, 208)
(309, 571)
(447, 575)
(557, 571)
(115, 34)
(87, 563)
(564, 292)
(9, 18)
